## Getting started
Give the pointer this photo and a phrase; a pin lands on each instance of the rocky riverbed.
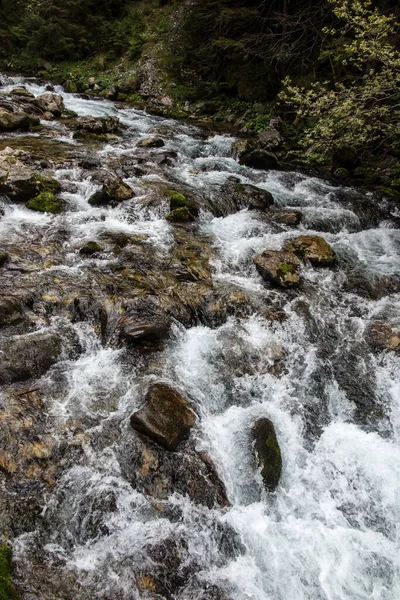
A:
(199, 364)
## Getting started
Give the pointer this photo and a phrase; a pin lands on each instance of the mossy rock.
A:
(90, 248)
(313, 248)
(46, 202)
(267, 452)
(180, 215)
(7, 590)
(279, 268)
(178, 200)
(84, 136)
(389, 192)
(47, 184)
(3, 258)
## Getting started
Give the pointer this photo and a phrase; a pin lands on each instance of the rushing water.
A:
(331, 529)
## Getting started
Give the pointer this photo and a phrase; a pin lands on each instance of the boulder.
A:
(28, 356)
(270, 137)
(242, 146)
(291, 218)
(50, 102)
(259, 159)
(267, 452)
(3, 258)
(22, 92)
(145, 322)
(90, 248)
(10, 311)
(11, 121)
(178, 200)
(180, 215)
(279, 268)
(18, 180)
(151, 143)
(117, 189)
(313, 248)
(48, 202)
(235, 196)
(166, 417)
(99, 198)
(98, 125)
(382, 336)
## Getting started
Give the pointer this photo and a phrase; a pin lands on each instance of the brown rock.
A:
(166, 416)
(313, 248)
(50, 102)
(381, 336)
(279, 268)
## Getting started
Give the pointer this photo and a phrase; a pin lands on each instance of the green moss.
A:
(7, 590)
(48, 202)
(3, 258)
(180, 215)
(286, 268)
(47, 184)
(177, 199)
(390, 192)
(84, 136)
(90, 248)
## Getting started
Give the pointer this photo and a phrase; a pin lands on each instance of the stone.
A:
(180, 215)
(99, 198)
(11, 121)
(269, 138)
(178, 200)
(242, 147)
(70, 87)
(151, 143)
(291, 218)
(23, 92)
(28, 356)
(47, 202)
(267, 452)
(7, 590)
(145, 322)
(259, 159)
(10, 311)
(235, 196)
(50, 102)
(382, 336)
(18, 180)
(3, 258)
(166, 417)
(279, 267)
(313, 248)
(90, 248)
(117, 189)
(98, 125)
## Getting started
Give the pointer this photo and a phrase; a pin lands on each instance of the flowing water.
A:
(331, 529)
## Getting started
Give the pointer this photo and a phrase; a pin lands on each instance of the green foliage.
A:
(361, 111)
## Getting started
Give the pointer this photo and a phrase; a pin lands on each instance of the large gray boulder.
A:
(12, 121)
(98, 125)
(50, 102)
(28, 356)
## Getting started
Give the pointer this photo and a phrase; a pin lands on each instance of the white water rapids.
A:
(331, 529)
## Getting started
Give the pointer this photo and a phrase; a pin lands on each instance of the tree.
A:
(362, 109)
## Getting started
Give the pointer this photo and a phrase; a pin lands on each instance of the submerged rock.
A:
(50, 102)
(267, 452)
(166, 416)
(22, 91)
(279, 268)
(90, 248)
(313, 248)
(382, 336)
(28, 356)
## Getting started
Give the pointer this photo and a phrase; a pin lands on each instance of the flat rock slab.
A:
(279, 267)
(166, 416)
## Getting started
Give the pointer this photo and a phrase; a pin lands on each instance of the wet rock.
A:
(24, 357)
(267, 452)
(178, 200)
(166, 417)
(151, 143)
(3, 258)
(270, 137)
(50, 102)
(7, 590)
(291, 218)
(47, 202)
(158, 473)
(313, 248)
(99, 198)
(145, 322)
(12, 121)
(382, 336)
(180, 215)
(90, 248)
(235, 196)
(117, 189)
(242, 147)
(259, 159)
(70, 87)
(22, 91)
(279, 267)
(98, 125)
(18, 180)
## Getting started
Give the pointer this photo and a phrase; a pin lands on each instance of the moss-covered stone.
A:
(279, 268)
(85, 136)
(313, 248)
(7, 590)
(90, 248)
(267, 452)
(180, 215)
(3, 258)
(177, 199)
(48, 184)
(48, 202)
